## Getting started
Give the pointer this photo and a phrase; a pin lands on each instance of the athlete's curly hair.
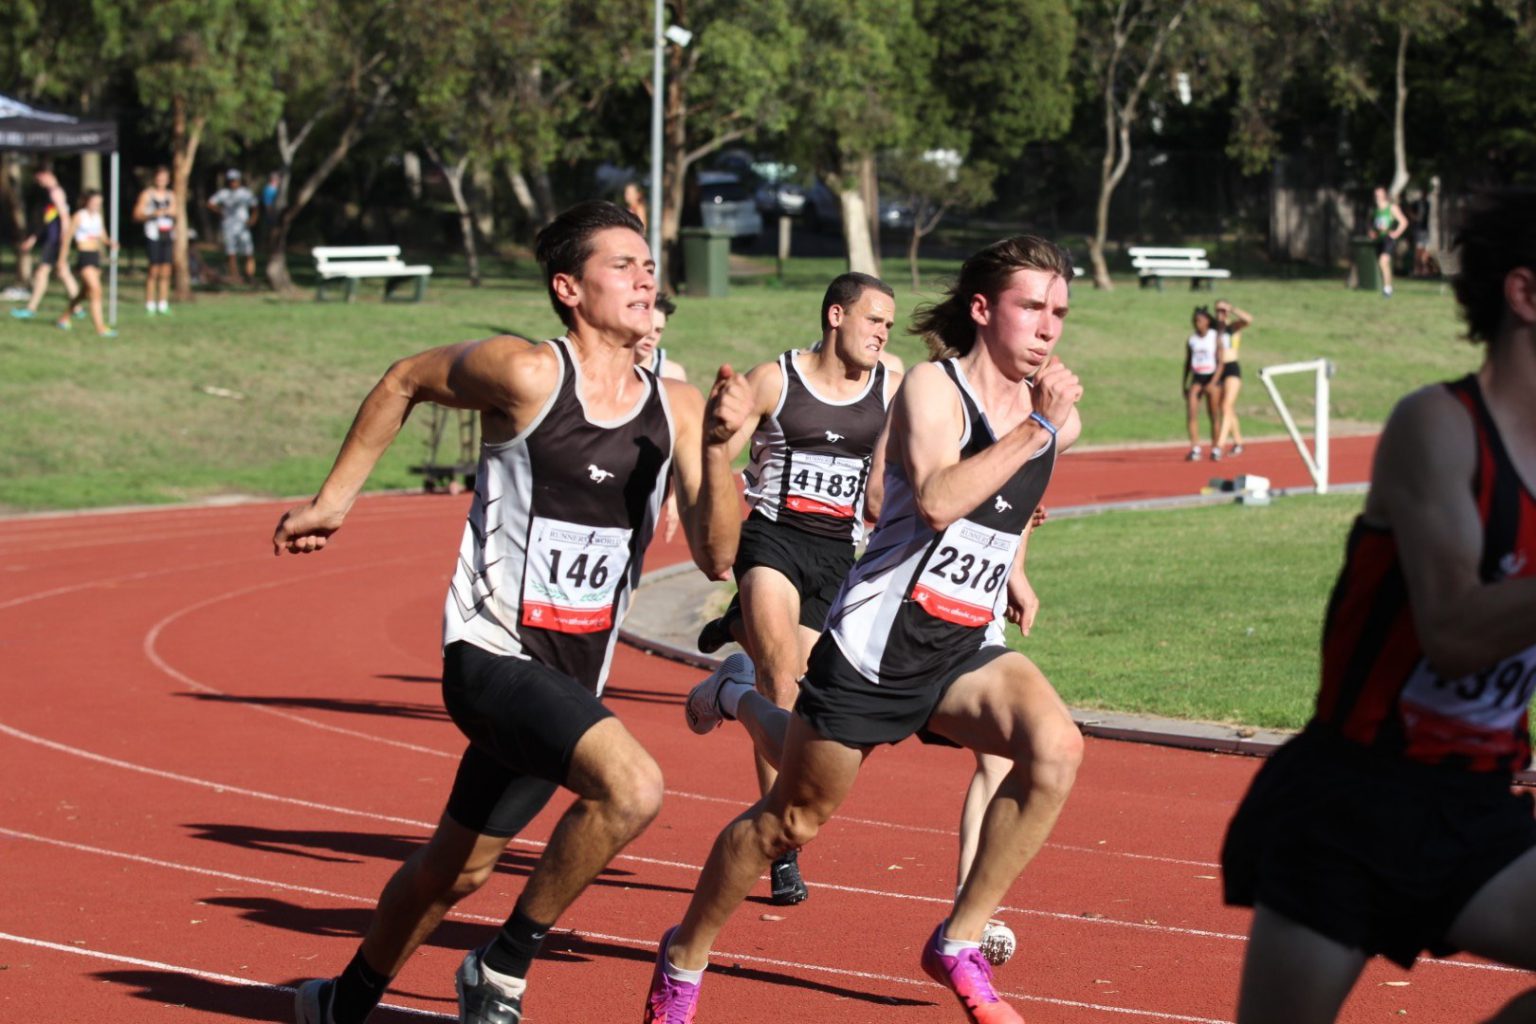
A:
(946, 326)
(1499, 236)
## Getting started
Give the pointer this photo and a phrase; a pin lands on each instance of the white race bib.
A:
(824, 485)
(1489, 702)
(966, 574)
(571, 575)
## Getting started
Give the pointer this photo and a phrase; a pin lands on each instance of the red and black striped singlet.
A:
(1378, 689)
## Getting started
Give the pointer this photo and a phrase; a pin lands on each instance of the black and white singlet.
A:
(920, 601)
(811, 455)
(561, 516)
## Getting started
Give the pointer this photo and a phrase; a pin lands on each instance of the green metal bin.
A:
(706, 262)
(1367, 272)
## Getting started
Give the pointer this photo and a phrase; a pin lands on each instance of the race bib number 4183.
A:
(571, 575)
(821, 484)
(965, 573)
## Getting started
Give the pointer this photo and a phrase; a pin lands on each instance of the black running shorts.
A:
(89, 259)
(1234, 369)
(1200, 380)
(523, 722)
(840, 704)
(160, 250)
(1377, 853)
(815, 566)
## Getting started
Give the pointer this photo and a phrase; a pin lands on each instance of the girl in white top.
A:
(1200, 366)
(91, 241)
(156, 210)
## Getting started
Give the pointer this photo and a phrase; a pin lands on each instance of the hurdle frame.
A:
(1322, 370)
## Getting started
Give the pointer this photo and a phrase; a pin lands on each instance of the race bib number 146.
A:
(572, 574)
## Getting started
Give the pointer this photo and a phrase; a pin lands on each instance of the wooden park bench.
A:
(351, 263)
(1153, 264)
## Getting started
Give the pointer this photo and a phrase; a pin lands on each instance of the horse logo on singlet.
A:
(1511, 564)
(834, 437)
(597, 473)
(999, 505)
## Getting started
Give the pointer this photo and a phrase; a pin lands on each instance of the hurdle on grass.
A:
(1317, 458)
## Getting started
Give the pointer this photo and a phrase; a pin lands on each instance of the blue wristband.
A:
(1047, 424)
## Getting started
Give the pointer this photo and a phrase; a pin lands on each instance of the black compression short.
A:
(816, 566)
(523, 722)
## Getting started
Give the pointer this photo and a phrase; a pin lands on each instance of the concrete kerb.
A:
(665, 623)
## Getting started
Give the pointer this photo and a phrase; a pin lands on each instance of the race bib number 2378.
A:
(572, 574)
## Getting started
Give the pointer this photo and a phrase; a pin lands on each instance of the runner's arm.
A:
(705, 485)
(504, 374)
(874, 490)
(1421, 489)
(1241, 321)
(141, 207)
(926, 418)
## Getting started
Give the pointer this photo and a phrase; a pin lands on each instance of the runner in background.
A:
(51, 239)
(1389, 825)
(92, 243)
(156, 210)
(649, 353)
(1200, 366)
(1230, 324)
(1387, 226)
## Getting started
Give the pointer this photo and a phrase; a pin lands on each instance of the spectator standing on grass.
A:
(1389, 826)
(1230, 324)
(50, 237)
(1387, 225)
(92, 242)
(1201, 364)
(634, 202)
(156, 210)
(269, 193)
(237, 206)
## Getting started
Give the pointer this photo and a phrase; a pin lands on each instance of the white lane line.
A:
(156, 965)
(151, 643)
(152, 638)
(112, 581)
(942, 901)
(720, 956)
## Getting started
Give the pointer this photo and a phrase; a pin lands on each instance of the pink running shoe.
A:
(670, 1002)
(970, 978)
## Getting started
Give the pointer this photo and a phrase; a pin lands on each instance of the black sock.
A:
(515, 946)
(356, 992)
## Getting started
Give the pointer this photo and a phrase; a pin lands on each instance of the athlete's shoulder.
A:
(767, 381)
(529, 369)
(1427, 448)
(892, 363)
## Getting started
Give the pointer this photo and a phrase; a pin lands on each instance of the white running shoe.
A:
(703, 708)
(997, 943)
(312, 1001)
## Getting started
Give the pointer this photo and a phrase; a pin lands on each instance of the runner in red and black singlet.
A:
(968, 450)
(818, 415)
(1388, 826)
(578, 442)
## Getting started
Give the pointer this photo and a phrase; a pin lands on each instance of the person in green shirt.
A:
(1387, 226)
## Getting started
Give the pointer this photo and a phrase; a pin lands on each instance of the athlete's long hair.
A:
(565, 244)
(1499, 236)
(946, 326)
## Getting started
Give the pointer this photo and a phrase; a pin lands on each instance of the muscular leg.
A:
(618, 788)
(1192, 410)
(1500, 923)
(774, 639)
(816, 776)
(1007, 708)
(454, 863)
(1293, 975)
(767, 724)
(991, 770)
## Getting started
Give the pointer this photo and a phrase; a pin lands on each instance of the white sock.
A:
(165, 307)
(150, 306)
(676, 973)
(1387, 290)
(954, 947)
(507, 985)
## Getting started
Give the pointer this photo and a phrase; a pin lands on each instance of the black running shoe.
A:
(788, 887)
(715, 635)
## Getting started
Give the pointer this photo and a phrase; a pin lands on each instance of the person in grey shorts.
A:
(236, 204)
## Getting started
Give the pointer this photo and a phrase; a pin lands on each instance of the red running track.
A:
(214, 759)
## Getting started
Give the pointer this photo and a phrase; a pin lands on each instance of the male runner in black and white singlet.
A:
(911, 641)
(816, 416)
(578, 442)
(1389, 826)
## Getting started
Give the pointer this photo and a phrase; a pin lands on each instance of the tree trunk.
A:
(861, 256)
(912, 254)
(869, 188)
(480, 201)
(454, 173)
(186, 133)
(545, 190)
(90, 172)
(524, 196)
(411, 162)
(1399, 141)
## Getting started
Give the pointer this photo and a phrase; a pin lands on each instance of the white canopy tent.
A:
(27, 129)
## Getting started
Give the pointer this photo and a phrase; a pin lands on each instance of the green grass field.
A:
(87, 423)
(1209, 613)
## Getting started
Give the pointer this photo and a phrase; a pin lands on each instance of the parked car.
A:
(824, 210)
(724, 202)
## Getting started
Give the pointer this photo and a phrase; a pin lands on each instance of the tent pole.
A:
(112, 253)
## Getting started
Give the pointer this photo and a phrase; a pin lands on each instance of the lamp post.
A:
(662, 35)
